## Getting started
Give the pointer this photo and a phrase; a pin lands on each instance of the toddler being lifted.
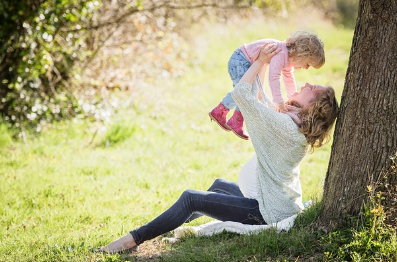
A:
(300, 50)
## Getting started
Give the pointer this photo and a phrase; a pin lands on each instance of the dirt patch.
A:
(151, 250)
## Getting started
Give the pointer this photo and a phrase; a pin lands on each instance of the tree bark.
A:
(366, 130)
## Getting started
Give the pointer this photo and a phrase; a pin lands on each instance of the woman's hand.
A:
(267, 52)
(293, 112)
(281, 108)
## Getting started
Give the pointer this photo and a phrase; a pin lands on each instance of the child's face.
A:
(301, 64)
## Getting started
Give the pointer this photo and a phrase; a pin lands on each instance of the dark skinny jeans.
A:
(223, 201)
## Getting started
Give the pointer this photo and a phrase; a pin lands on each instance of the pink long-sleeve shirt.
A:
(278, 65)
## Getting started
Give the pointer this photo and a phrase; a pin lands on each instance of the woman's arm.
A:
(262, 73)
(265, 55)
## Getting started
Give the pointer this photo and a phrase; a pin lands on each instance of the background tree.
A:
(57, 57)
(366, 130)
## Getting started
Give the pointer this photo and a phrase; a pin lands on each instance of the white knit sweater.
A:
(280, 148)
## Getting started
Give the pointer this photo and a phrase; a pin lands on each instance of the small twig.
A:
(136, 10)
(93, 137)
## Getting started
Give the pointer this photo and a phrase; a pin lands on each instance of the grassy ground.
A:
(69, 190)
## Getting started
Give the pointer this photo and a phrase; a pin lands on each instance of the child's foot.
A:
(236, 124)
(218, 114)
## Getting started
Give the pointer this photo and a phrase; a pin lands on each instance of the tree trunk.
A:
(366, 130)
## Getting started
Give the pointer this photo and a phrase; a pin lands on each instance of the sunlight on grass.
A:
(80, 185)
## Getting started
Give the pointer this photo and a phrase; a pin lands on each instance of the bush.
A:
(39, 51)
(64, 58)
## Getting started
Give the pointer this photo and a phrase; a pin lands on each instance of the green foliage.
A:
(61, 57)
(118, 133)
(388, 191)
(347, 11)
(342, 12)
(309, 216)
(40, 42)
(5, 137)
(368, 239)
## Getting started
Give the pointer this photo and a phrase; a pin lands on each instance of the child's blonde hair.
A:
(306, 47)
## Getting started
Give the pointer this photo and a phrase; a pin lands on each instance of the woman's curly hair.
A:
(306, 47)
(318, 117)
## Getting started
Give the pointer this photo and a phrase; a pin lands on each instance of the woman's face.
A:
(307, 94)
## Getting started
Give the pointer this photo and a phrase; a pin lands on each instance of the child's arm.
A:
(275, 68)
(289, 81)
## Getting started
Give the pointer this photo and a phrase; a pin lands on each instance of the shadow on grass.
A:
(298, 244)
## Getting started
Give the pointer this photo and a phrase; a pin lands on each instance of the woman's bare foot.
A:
(123, 244)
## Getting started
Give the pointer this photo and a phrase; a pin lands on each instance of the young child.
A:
(300, 50)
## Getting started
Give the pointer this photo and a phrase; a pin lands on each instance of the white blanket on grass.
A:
(216, 227)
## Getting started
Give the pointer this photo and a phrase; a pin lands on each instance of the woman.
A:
(269, 189)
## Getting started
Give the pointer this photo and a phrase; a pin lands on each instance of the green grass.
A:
(81, 185)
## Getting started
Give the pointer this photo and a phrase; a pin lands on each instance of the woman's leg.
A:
(226, 206)
(220, 186)
(216, 205)
(225, 187)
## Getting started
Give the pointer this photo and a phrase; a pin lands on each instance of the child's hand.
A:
(281, 108)
(267, 52)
